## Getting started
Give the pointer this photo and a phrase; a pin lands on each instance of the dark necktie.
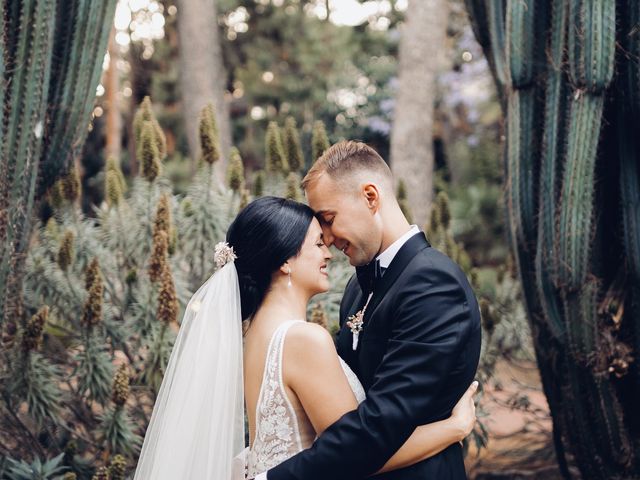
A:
(368, 275)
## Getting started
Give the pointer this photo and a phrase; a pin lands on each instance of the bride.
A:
(284, 370)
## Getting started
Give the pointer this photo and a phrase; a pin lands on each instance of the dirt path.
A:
(517, 419)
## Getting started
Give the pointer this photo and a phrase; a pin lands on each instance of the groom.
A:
(416, 344)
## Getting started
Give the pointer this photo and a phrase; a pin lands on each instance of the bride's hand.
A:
(463, 415)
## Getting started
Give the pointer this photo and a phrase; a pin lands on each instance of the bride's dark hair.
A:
(264, 235)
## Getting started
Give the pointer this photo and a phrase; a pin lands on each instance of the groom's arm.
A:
(431, 323)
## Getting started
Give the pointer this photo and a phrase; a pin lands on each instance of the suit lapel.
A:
(406, 253)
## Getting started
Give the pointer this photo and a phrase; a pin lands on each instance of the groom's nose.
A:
(327, 235)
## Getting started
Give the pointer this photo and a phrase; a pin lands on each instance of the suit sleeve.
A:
(431, 320)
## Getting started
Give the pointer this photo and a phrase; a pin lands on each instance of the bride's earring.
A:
(289, 283)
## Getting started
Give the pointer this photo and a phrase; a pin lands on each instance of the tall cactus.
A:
(51, 59)
(572, 160)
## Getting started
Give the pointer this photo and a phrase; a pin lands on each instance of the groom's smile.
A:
(347, 218)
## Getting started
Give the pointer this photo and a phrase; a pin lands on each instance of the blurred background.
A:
(150, 123)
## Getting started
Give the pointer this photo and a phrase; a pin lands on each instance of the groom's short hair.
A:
(345, 160)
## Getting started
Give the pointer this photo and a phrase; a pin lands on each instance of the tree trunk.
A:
(421, 44)
(202, 73)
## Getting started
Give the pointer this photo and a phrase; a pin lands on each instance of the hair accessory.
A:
(223, 254)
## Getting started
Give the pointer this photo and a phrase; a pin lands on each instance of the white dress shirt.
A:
(385, 259)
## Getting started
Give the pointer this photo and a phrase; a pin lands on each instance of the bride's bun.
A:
(249, 294)
(264, 235)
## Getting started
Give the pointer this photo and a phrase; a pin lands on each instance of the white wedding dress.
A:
(281, 430)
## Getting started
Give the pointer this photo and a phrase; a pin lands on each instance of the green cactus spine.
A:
(556, 97)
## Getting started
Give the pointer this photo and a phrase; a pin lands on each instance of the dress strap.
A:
(272, 375)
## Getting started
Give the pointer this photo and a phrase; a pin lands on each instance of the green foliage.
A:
(116, 427)
(292, 147)
(102, 473)
(310, 62)
(117, 467)
(440, 234)
(401, 195)
(235, 171)
(275, 159)
(94, 369)
(32, 335)
(144, 115)
(208, 132)
(148, 152)
(258, 183)
(115, 185)
(319, 140)
(37, 470)
(36, 382)
(293, 187)
(65, 253)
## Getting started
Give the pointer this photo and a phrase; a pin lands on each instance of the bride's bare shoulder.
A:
(310, 334)
(309, 343)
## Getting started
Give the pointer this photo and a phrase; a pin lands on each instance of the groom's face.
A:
(346, 219)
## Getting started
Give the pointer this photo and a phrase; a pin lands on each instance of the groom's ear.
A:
(372, 196)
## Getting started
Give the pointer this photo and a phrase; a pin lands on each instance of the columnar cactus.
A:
(572, 104)
(51, 56)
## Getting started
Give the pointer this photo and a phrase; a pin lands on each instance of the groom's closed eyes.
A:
(325, 217)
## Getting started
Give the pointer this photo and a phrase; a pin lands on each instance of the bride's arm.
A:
(311, 369)
(429, 440)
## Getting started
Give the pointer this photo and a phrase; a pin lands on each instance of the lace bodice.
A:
(282, 430)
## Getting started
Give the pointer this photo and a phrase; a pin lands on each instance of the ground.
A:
(517, 418)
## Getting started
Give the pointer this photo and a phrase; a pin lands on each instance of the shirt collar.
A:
(386, 257)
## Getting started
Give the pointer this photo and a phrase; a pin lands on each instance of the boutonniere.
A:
(355, 323)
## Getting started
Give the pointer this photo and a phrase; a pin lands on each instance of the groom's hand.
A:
(464, 413)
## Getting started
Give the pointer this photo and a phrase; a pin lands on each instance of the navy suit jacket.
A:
(417, 354)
